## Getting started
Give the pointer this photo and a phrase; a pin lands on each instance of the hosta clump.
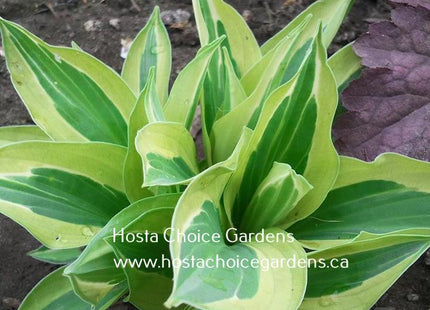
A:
(114, 153)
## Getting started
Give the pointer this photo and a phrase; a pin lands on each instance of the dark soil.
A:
(64, 23)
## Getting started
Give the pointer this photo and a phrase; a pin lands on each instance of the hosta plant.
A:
(110, 170)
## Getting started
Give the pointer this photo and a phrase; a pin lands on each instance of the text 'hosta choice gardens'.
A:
(109, 181)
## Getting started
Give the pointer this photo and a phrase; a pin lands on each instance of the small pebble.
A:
(1, 51)
(175, 17)
(125, 47)
(288, 3)
(247, 15)
(10, 303)
(114, 23)
(413, 297)
(92, 25)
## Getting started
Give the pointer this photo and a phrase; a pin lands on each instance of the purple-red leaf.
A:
(415, 3)
(388, 108)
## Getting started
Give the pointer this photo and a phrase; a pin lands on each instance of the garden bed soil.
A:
(62, 21)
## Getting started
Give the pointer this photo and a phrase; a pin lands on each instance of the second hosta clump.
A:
(114, 153)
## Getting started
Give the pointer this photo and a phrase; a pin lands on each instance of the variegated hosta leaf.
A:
(271, 72)
(151, 48)
(374, 264)
(55, 256)
(150, 99)
(282, 58)
(222, 92)
(216, 18)
(168, 154)
(325, 13)
(71, 95)
(234, 92)
(330, 13)
(184, 96)
(275, 197)
(294, 128)
(199, 212)
(62, 193)
(150, 284)
(94, 274)
(147, 109)
(222, 81)
(283, 62)
(55, 292)
(388, 195)
(12, 134)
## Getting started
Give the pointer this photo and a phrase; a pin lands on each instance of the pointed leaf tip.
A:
(156, 14)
